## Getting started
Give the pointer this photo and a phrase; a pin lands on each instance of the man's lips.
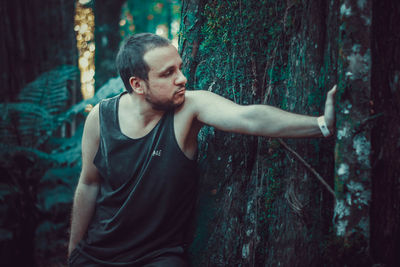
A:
(180, 91)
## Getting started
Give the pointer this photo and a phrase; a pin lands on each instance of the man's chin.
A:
(180, 104)
(167, 106)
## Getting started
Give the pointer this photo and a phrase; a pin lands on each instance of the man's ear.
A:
(137, 85)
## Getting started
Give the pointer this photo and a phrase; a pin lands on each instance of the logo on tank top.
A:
(156, 153)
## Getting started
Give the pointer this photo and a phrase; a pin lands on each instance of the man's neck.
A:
(140, 109)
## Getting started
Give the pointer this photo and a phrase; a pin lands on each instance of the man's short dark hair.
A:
(130, 60)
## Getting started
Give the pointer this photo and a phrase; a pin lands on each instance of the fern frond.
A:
(50, 89)
(50, 198)
(64, 158)
(113, 87)
(26, 120)
(31, 120)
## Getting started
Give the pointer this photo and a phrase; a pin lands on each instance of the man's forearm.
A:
(271, 121)
(82, 212)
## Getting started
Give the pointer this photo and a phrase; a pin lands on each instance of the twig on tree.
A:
(308, 166)
(293, 201)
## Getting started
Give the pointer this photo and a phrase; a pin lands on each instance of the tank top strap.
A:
(169, 118)
(108, 116)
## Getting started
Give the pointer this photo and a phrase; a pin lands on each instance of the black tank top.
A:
(147, 196)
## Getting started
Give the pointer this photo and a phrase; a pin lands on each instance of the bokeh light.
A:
(84, 29)
(160, 17)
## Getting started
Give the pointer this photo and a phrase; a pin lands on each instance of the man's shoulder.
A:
(197, 100)
(189, 106)
(189, 109)
(197, 97)
(94, 113)
(198, 93)
(112, 98)
(109, 104)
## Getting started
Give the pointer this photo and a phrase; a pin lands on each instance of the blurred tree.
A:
(107, 38)
(148, 16)
(115, 20)
(36, 36)
(385, 134)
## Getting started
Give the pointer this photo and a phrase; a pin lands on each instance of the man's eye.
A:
(168, 73)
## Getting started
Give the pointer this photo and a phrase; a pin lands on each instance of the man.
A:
(136, 193)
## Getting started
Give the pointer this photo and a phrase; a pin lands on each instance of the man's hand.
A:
(329, 113)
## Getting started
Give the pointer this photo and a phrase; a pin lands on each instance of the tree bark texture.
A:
(385, 133)
(353, 147)
(36, 37)
(258, 204)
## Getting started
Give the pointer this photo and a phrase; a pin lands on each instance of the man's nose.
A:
(181, 79)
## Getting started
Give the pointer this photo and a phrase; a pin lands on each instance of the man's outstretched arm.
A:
(262, 120)
(88, 185)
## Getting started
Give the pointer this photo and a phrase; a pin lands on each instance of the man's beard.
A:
(163, 106)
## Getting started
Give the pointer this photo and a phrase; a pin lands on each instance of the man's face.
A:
(165, 88)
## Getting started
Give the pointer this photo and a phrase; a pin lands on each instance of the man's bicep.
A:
(221, 113)
(90, 145)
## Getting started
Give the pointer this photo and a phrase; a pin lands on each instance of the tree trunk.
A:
(36, 37)
(107, 14)
(259, 205)
(385, 134)
(353, 147)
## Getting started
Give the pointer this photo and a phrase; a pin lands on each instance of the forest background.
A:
(262, 201)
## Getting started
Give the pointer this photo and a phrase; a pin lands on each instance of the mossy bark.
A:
(353, 146)
(258, 205)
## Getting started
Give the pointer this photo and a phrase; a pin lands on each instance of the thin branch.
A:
(308, 166)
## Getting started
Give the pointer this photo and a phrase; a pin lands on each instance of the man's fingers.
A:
(330, 108)
(332, 92)
(330, 99)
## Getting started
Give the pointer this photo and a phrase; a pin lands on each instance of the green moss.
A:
(273, 177)
(274, 188)
(242, 35)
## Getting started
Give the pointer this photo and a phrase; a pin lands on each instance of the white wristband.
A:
(323, 127)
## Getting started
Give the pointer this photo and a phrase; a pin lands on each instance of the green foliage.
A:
(145, 16)
(39, 168)
(26, 127)
(50, 89)
(56, 188)
(31, 121)
(248, 44)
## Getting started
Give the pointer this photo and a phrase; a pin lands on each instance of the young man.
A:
(136, 194)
